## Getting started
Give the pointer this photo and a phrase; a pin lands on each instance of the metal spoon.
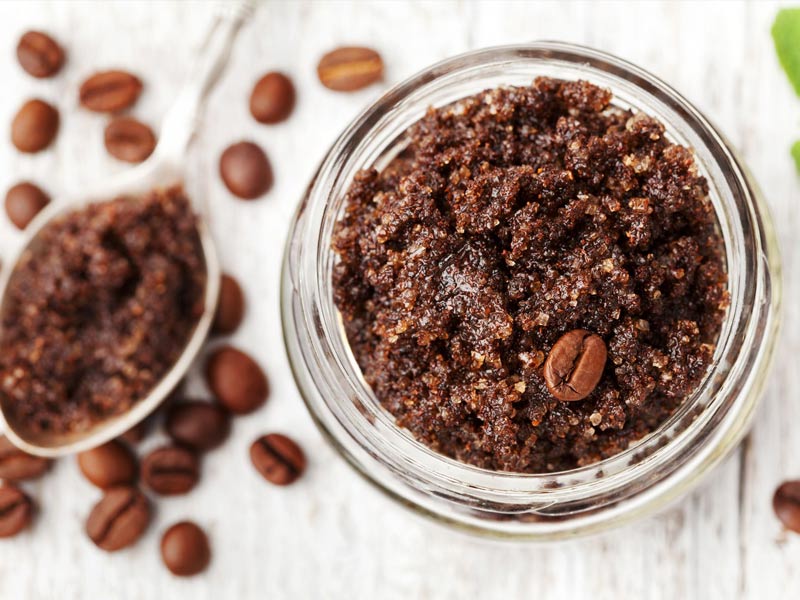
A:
(165, 167)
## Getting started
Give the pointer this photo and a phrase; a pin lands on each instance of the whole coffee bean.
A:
(119, 519)
(16, 510)
(129, 140)
(35, 126)
(236, 380)
(23, 202)
(198, 425)
(110, 465)
(575, 365)
(277, 458)
(185, 549)
(230, 307)
(110, 91)
(16, 465)
(39, 54)
(786, 504)
(245, 170)
(272, 99)
(350, 68)
(170, 470)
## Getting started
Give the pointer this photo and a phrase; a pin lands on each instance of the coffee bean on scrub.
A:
(575, 365)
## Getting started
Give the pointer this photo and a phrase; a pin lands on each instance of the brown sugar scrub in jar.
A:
(98, 310)
(536, 282)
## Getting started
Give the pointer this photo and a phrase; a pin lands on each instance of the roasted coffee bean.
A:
(110, 465)
(198, 425)
(277, 458)
(786, 504)
(16, 465)
(145, 427)
(39, 54)
(272, 99)
(349, 69)
(110, 91)
(23, 202)
(245, 170)
(185, 549)
(119, 519)
(35, 126)
(16, 510)
(137, 433)
(575, 365)
(230, 308)
(170, 470)
(129, 140)
(236, 380)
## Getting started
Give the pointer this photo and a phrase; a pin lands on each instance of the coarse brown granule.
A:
(512, 217)
(99, 310)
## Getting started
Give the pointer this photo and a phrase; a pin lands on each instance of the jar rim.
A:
(388, 455)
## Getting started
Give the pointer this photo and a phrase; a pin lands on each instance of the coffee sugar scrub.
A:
(99, 308)
(536, 282)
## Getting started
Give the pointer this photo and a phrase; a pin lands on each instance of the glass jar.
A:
(649, 474)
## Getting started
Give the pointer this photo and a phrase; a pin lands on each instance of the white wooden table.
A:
(332, 535)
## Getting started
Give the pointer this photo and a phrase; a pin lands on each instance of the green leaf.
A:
(786, 33)
(796, 155)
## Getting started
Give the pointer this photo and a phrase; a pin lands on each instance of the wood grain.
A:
(332, 536)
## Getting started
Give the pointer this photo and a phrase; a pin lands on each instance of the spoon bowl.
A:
(163, 169)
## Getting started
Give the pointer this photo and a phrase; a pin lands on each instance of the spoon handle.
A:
(181, 120)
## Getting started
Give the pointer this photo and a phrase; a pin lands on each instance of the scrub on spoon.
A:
(163, 170)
